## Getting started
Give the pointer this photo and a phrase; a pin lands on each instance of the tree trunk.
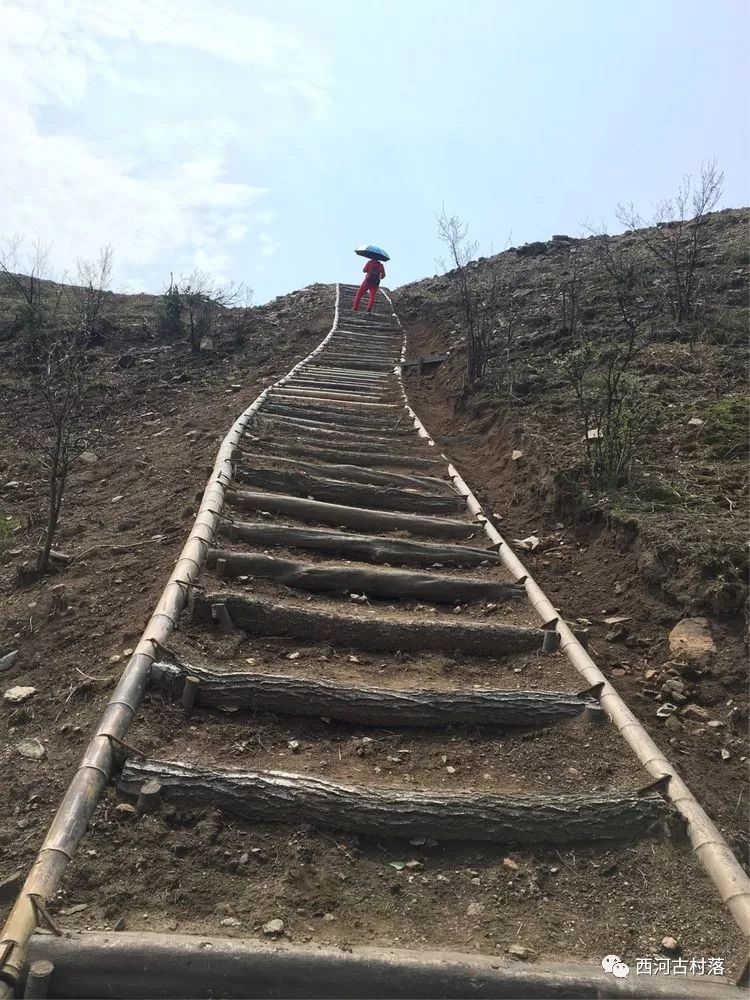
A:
(258, 616)
(294, 425)
(335, 491)
(367, 705)
(363, 456)
(281, 797)
(361, 423)
(351, 517)
(369, 548)
(355, 473)
(372, 582)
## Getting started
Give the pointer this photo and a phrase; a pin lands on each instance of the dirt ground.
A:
(200, 871)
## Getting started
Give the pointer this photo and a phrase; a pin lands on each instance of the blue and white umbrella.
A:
(374, 253)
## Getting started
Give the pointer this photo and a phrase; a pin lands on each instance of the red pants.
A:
(361, 291)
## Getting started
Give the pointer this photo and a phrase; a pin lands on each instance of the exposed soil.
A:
(200, 871)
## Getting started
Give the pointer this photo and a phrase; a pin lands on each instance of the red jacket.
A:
(374, 271)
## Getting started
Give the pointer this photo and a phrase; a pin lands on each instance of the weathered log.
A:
(369, 548)
(337, 491)
(329, 435)
(360, 457)
(354, 473)
(316, 511)
(259, 616)
(397, 583)
(337, 418)
(359, 703)
(282, 797)
(337, 384)
(329, 427)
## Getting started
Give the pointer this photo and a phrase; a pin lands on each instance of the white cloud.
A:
(161, 193)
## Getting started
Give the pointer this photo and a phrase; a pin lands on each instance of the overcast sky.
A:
(261, 141)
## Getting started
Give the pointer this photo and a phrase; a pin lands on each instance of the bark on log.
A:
(258, 616)
(372, 582)
(360, 457)
(336, 417)
(369, 548)
(329, 427)
(354, 473)
(336, 491)
(366, 705)
(299, 427)
(340, 515)
(282, 797)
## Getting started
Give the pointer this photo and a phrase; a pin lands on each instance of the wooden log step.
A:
(365, 704)
(333, 394)
(301, 484)
(360, 457)
(329, 427)
(342, 515)
(367, 548)
(334, 384)
(356, 474)
(376, 377)
(354, 361)
(290, 436)
(320, 397)
(282, 797)
(340, 418)
(259, 616)
(376, 582)
(300, 424)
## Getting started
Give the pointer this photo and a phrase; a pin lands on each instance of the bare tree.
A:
(676, 241)
(478, 304)
(49, 398)
(27, 274)
(570, 294)
(197, 305)
(607, 391)
(87, 295)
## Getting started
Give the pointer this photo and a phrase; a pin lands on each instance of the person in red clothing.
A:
(374, 273)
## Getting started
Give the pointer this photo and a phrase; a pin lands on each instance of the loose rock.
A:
(18, 695)
(691, 640)
(273, 928)
(32, 749)
(521, 952)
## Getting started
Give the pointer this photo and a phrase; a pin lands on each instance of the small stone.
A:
(88, 458)
(670, 945)
(116, 498)
(328, 917)
(516, 455)
(9, 660)
(76, 908)
(521, 952)
(695, 712)
(294, 656)
(18, 695)
(231, 922)
(125, 810)
(244, 858)
(725, 754)
(273, 928)
(294, 745)
(32, 749)
(119, 925)
(475, 909)
(696, 422)
(691, 640)
(510, 863)
(450, 769)
(115, 658)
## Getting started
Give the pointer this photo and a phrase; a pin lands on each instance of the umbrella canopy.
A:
(374, 253)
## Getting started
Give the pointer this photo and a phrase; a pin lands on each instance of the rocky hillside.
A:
(684, 512)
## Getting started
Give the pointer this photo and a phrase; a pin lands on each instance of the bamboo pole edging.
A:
(92, 775)
(707, 843)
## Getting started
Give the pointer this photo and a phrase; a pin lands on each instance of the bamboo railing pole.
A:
(80, 800)
(709, 846)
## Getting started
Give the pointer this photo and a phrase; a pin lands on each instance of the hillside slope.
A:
(669, 545)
